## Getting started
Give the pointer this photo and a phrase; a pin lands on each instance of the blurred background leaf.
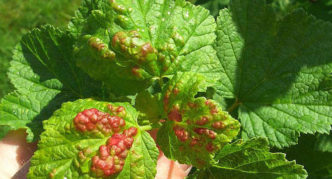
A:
(20, 16)
(314, 153)
(213, 5)
(322, 9)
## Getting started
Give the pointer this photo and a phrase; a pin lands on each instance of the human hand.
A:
(15, 153)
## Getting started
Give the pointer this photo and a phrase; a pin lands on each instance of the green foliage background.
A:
(17, 17)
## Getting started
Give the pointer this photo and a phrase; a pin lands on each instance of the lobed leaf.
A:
(318, 163)
(276, 70)
(195, 127)
(324, 143)
(45, 76)
(142, 41)
(251, 159)
(61, 146)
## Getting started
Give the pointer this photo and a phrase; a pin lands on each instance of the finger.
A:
(14, 152)
(169, 169)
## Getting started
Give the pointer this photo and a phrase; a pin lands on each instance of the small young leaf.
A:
(93, 141)
(141, 41)
(195, 128)
(276, 70)
(251, 159)
(149, 106)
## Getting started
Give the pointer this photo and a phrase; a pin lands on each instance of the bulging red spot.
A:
(110, 107)
(96, 43)
(120, 109)
(135, 71)
(130, 132)
(200, 131)
(81, 155)
(52, 174)
(181, 133)
(218, 125)
(211, 134)
(119, 38)
(111, 157)
(115, 40)
(204, 120)
(193, 142)
(175, 115)
(210, 147)
(93, 119)
(128, 142)
(116, 138)
(166, 101)
(176, 91)
(192, 105)
(214, 110)
(146, 49)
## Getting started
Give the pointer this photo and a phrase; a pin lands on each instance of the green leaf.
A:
(60, 150)
(27, 111)
(143, 41)
(251, 159)
(148, 105)
(45, 76)
(195, 128)
(275, 70)
(214, 6)
(320, 9)
(324, 143)
(317, 163)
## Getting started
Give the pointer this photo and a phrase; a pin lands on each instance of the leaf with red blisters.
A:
(111, 157)
(195, 128)
(119, 41)
(94, 153)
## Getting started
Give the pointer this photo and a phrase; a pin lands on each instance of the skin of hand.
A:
(15, 153)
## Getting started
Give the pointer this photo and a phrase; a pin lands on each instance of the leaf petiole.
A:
(146, 127)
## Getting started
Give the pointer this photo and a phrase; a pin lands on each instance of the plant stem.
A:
(234, 105)
(161, 83)
(146, 128)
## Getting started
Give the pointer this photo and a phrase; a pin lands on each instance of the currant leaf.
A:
(149, 106)
(195, 128)
(45, 76)
(251, 159)
(324, 143)
(126, 41)
(276, 71)
(94, 139)
(316, 161)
